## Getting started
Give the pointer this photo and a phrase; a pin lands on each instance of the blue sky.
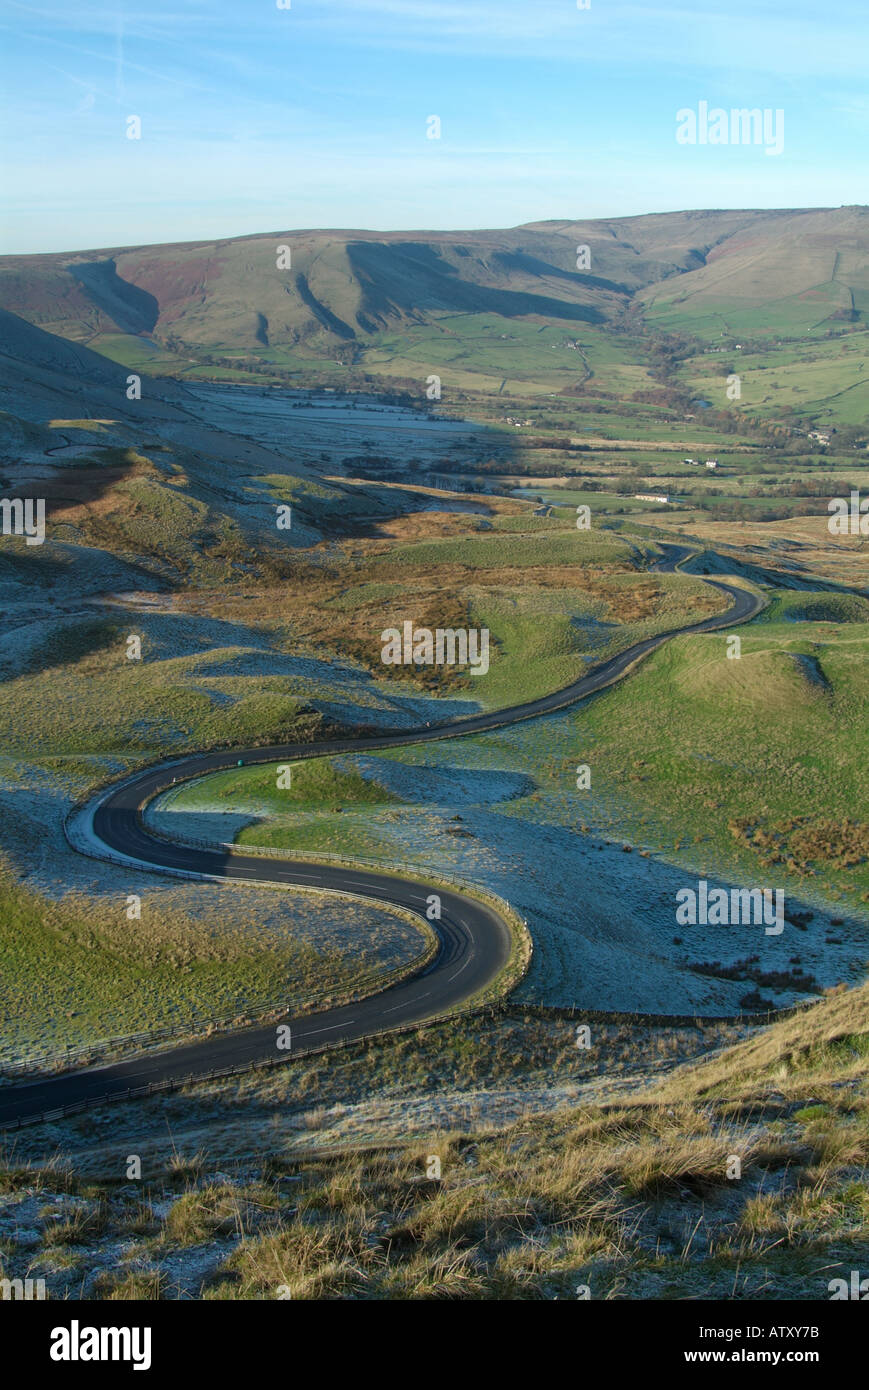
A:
(258, 119)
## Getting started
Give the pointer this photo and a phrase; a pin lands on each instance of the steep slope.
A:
(44, 376)
(334, 286)
(791, 273)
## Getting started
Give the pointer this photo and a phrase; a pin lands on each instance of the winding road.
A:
(474, 940)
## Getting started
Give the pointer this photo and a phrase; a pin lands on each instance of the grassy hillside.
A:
(630, 1193)
(701, 270)
(785, 275)
(562, 1169)
(758, 762)
(76, 972)
(81, 695)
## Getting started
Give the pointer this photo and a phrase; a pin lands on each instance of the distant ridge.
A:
(346, 287)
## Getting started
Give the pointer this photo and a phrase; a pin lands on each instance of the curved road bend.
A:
(474, 940)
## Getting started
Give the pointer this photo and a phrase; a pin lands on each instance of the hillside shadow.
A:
(405, 277)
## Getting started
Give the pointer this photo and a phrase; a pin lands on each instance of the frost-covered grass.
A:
(107, 704)
(76, 970)
(503, 811)
(70, 689)
(609, 1181)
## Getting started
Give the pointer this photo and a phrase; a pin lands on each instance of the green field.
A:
(329, 806)
(475, 553)
(758, 762)
(825, 380)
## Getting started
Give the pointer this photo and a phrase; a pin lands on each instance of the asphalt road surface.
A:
(474, 940)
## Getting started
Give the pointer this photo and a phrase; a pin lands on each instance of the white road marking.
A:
(332, 1026)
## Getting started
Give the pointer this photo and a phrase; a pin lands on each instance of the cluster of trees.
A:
(736, 509)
